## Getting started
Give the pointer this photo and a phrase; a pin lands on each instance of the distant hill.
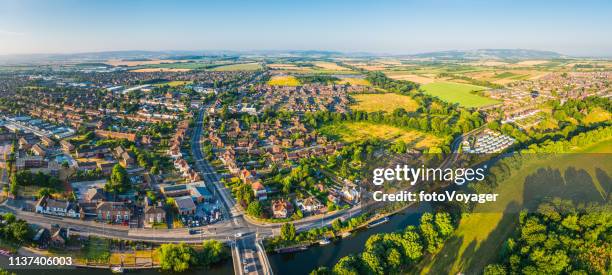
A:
(490, 54)
(481, 54)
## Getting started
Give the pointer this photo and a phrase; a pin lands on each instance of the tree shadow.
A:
(443, 260)
(573, 184)
(604, 180)
(489, 250)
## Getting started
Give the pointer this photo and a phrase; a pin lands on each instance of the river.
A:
(305, 261)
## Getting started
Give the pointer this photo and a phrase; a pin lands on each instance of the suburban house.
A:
(196, 190)
(66, 145)
(309, 205)
(154, 214)
(38, 150)
(47, 205)
(59, 238)
(282, 209)
(106, 167)
(350, 194)
(185, 205)
(87, 165)
(260, 191)
(95, 195)
(115, 212)
(47, 141)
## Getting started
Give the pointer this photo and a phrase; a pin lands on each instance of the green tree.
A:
(431, 236)
(176, 257)
(444, 224)
(394, 260)
(372, 263)
(347, 265)
(413, 249)
(118, 181)
(322, 270)
(151, 195)
(45, 191)
(287, 232)
(255, 209)
(337, 225)
(212, 251)
(495, 269)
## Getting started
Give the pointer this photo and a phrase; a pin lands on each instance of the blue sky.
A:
(63, 26)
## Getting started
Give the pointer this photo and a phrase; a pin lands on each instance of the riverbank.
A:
(303, 262)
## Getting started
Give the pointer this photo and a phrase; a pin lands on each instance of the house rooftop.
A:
(184, 203)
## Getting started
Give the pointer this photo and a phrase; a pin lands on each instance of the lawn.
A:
(356, 131)
(238, 67)
(97, 250)
(383, 102)
(284, 80)
(458, 93)
(481, 234)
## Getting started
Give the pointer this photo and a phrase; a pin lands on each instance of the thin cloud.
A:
(10, 33)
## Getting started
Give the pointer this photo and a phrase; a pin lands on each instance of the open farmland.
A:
(354, 81)
(383, 102)
(356, 131)
(505, 76)
(238, 67)
(370, 66)
(330, 66)
(402, 75)
(130, 63)
(531, 62)
(155, 70)
(458, 93)
(174, 67)
(294, 68)
(284, 80)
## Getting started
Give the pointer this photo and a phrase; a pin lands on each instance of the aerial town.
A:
(243, 149)
(305, 137)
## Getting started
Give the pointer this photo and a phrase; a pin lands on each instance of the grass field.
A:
(354, 81)
(480, 235)
(174, 83)
(383, 102)
(597, 115)
(355, 131)
(330, 66)
(284, 80)
(238, 67)
(399, 75)
(458, 93)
